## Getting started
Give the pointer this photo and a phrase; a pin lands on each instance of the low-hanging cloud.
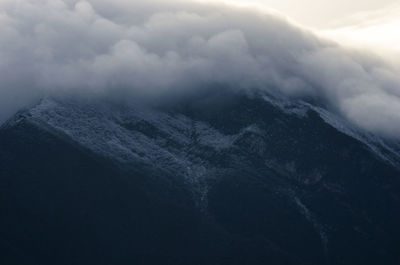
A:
(153, 47)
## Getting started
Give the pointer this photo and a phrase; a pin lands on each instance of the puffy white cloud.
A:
(152, 48)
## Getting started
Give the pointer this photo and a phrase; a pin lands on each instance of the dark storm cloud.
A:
(150, 48)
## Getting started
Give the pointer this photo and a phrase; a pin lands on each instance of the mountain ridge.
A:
(261, 173)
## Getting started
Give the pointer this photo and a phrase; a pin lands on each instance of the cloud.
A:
(375, 29)
(152, 48)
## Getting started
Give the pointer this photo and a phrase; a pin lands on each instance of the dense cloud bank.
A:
(149, 48)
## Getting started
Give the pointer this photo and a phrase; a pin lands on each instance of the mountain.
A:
(214, 178)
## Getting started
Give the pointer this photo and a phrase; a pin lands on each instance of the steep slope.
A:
(62, 204)
(254, 180)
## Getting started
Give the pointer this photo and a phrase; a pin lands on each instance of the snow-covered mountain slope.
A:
(388, 150)
(139, 133)
(172, 141)
(268, 172)
(133, 135)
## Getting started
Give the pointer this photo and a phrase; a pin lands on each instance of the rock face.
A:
(256, 180)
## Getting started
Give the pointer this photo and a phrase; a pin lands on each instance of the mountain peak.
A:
(258, 161)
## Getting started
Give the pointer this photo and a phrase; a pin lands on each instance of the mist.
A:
(154, 48)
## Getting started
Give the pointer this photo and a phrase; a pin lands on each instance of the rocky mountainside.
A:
(213, 179)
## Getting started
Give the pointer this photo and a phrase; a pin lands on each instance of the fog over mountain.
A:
(156, 49)
(180, 132)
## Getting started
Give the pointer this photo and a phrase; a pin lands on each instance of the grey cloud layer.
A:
(154, 47)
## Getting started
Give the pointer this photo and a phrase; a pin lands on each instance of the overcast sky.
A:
(369, 24)
(321, 14)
